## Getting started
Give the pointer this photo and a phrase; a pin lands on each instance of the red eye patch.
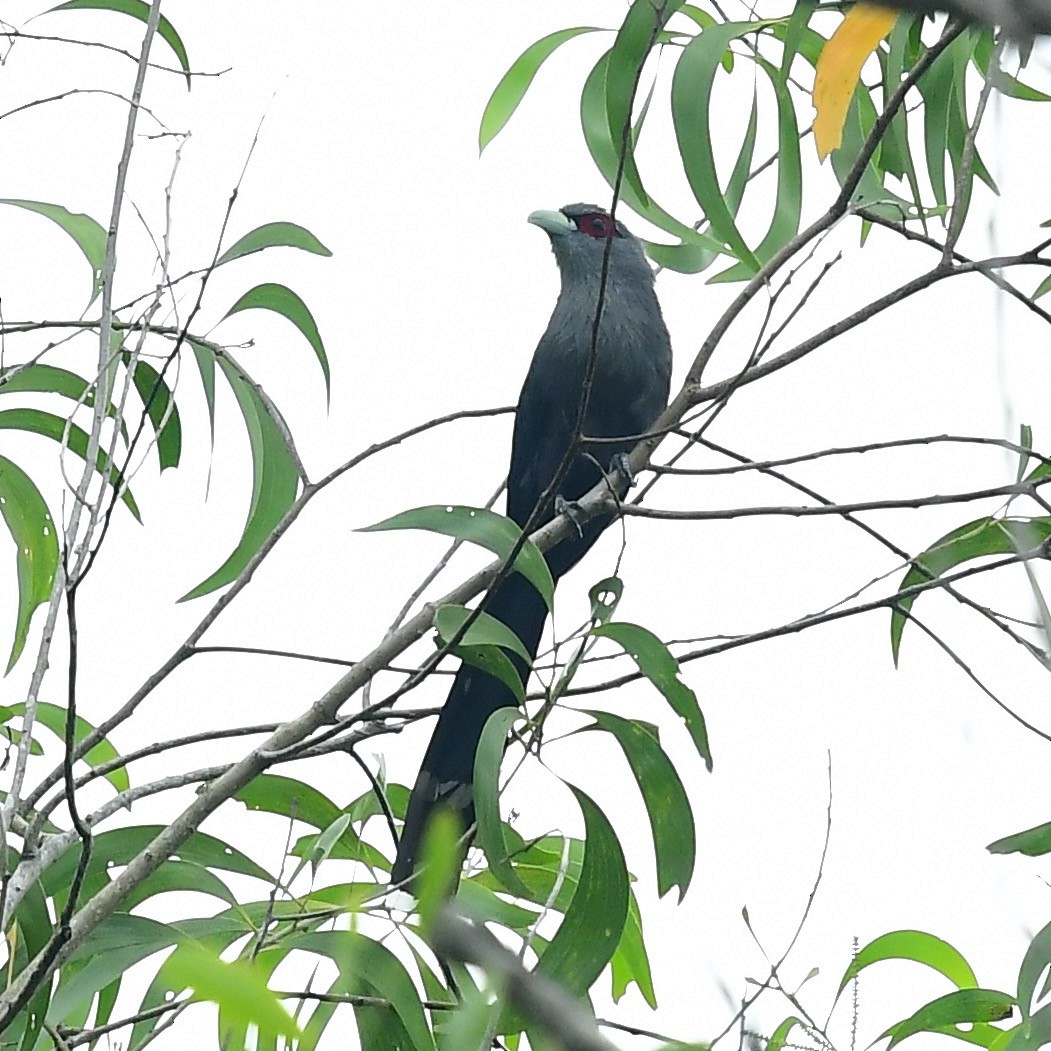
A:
(597, 225)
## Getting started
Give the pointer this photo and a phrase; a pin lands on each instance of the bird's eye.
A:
(596, 224)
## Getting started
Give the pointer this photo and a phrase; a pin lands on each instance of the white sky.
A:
(433, 301)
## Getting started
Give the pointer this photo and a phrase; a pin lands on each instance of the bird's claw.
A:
(571, 509)
(620, 463)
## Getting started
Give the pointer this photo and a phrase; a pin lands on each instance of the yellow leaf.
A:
(839, 68)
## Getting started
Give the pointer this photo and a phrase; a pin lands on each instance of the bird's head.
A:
(579, 235)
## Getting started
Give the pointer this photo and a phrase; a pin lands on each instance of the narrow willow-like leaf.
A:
(288, 798)
(180, 876)
(1033, 842)
(977, 539)
(918, 946)
(485, 630)
(32, 925)
(631, 963)
(53, 716)
(667, 805)
(594, 922)
(282, 300)
(139, 9)
(691, 99)
(606, 156)
(29, 522)
(605, 597)
(372, 968)
(156, 397)
(205, 358)
(1034, 964)
(239, 990)
(275, 482)
(86, 232)
(477, 525)
(658, 665)
(515, 82)
(114, 947)
(1008, 85)
(120, 845)
(487, 799)
(51, 426)
(797, 24)
(626, 58)
(896, 144)
(1042, 289)
(439, 869)
(485, 905)
(779, 1037)
(973, 1007)
(788, 203)
(273, 235)
(936, 88)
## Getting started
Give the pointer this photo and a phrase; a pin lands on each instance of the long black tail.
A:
(447, 772)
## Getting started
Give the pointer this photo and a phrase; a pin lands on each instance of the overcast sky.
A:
(433, 301)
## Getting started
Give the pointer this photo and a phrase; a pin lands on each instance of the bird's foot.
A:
(571, 509)
(620, 463)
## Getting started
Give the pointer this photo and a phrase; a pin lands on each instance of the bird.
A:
(630, 377)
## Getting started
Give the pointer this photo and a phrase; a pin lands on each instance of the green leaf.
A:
(1025, 440)
(284, 301)
(605, 597)
(477, 525)
(972, 1007)
(797, 23)
(936, 88)
(977, 539)
(594, 922)
(691, 94)
(239, 990)
(606, 155)
(325, 843)
(137, 9)
(779, 1037)
(1003, 82)
(1033, 842)
(440, 862)
(205, 358)
(273, 235)
(120, 845)
(113, 948)
(918, 946)
(667, 805)
(637, 34)
(657, 664)
(1034, 964)
(485, 630)
(34, 929)
(788, 203)
(630, 963)
(1042, 289)
(515, 82)
(51, 426)
(161, 409)
(288, 798)
(29, 522)
(275, 481)
(88, 235)
(178, 877)
(493, 661)
(372, 969)
(487, 761)
(53, 716)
